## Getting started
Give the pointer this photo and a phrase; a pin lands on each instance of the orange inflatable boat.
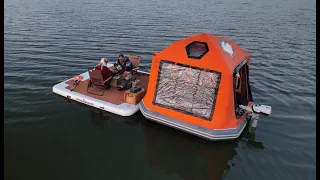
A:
(201, 85)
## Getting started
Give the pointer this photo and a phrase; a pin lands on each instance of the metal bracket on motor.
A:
(253, 122)
(254, 111)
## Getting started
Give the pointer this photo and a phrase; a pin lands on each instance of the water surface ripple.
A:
(46, 137)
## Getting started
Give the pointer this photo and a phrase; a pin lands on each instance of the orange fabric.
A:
(77, 78)
(215, 59)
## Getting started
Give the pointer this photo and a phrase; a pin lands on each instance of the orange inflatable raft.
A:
(201, 85)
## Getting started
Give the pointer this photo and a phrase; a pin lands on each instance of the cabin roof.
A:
(206, 51)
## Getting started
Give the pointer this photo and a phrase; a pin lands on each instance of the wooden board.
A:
(111, 95)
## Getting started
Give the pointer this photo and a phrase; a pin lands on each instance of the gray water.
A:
(48, 41)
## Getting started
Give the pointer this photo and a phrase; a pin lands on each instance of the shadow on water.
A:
(189, 156)
(99, 117)
(177, 152)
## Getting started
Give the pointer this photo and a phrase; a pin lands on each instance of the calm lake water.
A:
(46, 137)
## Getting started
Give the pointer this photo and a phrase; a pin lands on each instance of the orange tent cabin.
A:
(197, 85)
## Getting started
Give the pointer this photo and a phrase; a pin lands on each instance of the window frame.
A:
(203, 53)
(215, 95)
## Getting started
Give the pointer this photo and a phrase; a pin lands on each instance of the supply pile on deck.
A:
(108, 97)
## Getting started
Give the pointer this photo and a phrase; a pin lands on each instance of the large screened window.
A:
(190, 90)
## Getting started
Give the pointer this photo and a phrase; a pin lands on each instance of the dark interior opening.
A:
(197, 50)
(242, 91)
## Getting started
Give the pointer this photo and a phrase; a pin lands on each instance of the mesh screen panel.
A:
(190, 90)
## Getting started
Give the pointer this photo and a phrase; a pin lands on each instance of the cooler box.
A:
(134, 98)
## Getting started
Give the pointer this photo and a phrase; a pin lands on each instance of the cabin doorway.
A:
(242, 91)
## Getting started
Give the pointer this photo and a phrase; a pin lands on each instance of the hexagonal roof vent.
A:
(197, 50)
